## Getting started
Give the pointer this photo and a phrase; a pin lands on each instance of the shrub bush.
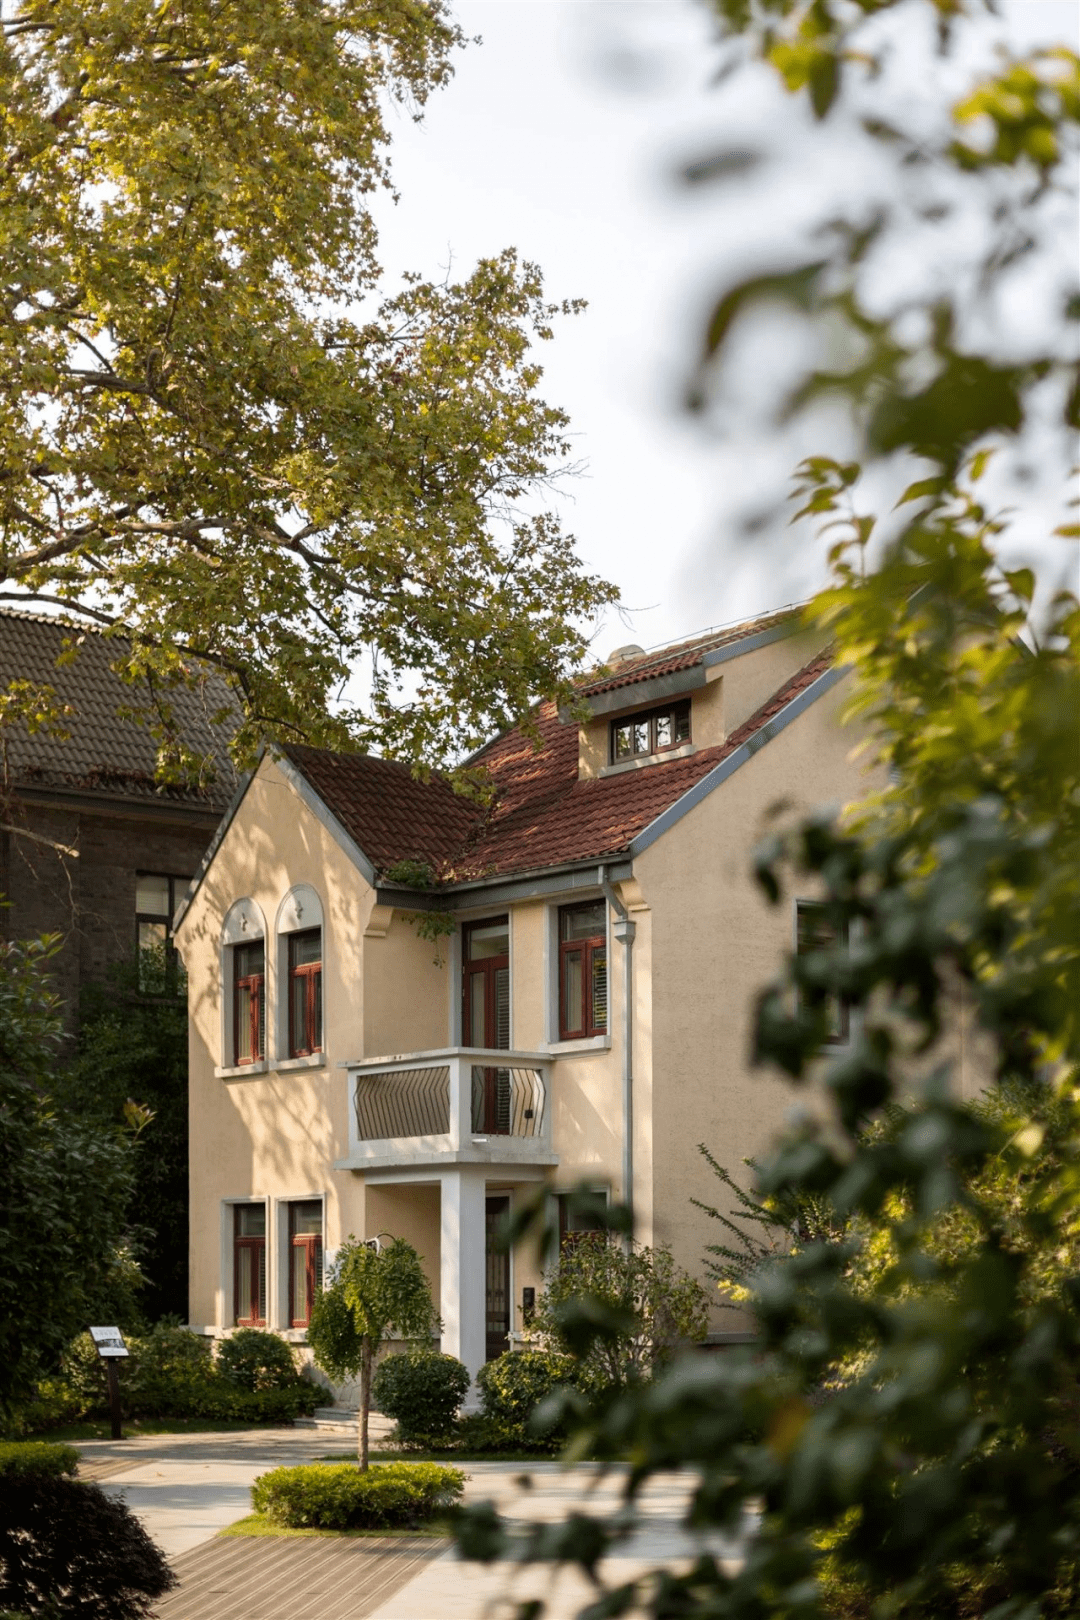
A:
(171, 1372)
(254, 1360)
(23, 1458)
(338, 1496)
(67, 1549)
(421, 1390)
(513, 1385)
(482, 1436)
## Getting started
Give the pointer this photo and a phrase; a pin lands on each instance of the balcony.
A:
(462, 1105)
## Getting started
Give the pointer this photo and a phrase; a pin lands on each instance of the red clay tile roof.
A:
(542, 814)
(102, 752)
(391, 815)
(683, 655)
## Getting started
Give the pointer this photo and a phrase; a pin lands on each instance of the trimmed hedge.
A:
(67, 1549)
(421, 1390)
(337, 1496)
(22, 1459)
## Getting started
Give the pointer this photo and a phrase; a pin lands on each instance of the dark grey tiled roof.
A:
(104, 752)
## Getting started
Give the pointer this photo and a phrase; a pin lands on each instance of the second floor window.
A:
(305, 993)
(157, 895)
(651, 732)
(582, 971)
(249, 1002)
(486, 988)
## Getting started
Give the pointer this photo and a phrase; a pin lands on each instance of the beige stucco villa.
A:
(586, 1019)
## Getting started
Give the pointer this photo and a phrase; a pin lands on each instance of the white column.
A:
(462, 1279)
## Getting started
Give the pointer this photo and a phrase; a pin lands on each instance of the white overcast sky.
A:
(561, 134)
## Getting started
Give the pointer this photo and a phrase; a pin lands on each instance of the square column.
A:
(462, 1268)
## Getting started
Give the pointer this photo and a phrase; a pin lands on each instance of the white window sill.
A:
(241, 1071)
(592, 1043)
(316, 1060)
(683, 751)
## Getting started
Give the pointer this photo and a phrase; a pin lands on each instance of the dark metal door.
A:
(497, 1285)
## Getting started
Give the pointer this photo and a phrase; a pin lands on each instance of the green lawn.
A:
(100, 1428)
(257, 1524)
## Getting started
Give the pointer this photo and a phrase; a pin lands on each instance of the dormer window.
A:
(637, 735)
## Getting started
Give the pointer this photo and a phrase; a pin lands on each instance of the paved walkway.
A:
(187, 1487)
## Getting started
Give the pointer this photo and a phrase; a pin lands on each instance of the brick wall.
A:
(89, 900)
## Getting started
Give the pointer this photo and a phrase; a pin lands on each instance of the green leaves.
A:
(215, 433)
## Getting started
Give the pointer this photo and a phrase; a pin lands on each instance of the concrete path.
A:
(187, 1487)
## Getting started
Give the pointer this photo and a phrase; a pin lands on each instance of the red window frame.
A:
(255, 984)
(257, 1248)
(309, 1040)
(313, 1243)
(587, 949)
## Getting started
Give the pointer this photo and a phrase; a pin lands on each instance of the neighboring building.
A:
(90, 846)
(351, 1076)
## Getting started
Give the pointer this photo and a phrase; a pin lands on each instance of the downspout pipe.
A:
(624, 929)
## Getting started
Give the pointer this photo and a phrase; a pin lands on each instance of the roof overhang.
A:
(502, 889)
(646, 692)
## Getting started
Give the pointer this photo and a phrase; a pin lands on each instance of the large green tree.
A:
(64, 1189)
(903, 1439)
(216, 434)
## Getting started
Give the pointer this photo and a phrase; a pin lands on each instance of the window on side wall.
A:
(305, 1258)
(583, 983)
(650, 732)
(575, 1224)
(815, 932)
(249, 1002)
(305, 992)
(249, 1265)
(157, 897)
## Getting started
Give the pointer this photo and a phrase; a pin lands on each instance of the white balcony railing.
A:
(458, 1105)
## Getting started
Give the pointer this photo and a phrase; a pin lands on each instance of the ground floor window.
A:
(574, 1223)
(305, 1258)
(249, 1265)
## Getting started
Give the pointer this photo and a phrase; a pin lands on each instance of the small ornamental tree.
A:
(621, 1310)
(375, 1293)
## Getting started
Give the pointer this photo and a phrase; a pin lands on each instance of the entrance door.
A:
(485, 1018)
(497, 1285)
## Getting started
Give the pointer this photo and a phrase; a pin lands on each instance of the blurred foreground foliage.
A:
(903, 1438)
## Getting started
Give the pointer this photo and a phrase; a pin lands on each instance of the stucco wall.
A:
(716, 943)
(272, 1135)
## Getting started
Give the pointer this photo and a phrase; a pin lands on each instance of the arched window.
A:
(300, 938)
(243, 973)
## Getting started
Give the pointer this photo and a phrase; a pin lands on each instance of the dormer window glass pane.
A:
(643, 734)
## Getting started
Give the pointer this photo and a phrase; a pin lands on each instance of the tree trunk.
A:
(365, 1405)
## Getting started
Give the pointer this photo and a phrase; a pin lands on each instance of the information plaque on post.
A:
(110, 1346)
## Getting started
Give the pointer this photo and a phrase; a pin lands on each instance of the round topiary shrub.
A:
(252, 1359)
(68, 1549)
(513, 1385)
(168, 1372)
(421, 1390)
(339, 1496)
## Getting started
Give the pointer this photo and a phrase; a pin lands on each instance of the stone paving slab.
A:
(294, 1578)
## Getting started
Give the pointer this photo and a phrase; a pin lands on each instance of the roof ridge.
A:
(60, 619)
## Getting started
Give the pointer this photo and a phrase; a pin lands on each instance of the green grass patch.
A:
(258, 1524)
(101, 1429)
